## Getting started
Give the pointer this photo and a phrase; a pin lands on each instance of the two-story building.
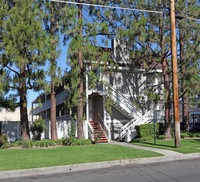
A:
(130, 87)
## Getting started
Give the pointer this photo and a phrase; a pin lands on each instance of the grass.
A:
(12, 159)
(187, 145)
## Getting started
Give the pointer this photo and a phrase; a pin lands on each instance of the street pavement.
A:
(174, 171)
(67, 169)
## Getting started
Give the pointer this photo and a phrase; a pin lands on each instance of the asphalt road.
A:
(177, 171)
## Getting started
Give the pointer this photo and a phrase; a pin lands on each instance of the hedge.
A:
(46, 143)
(147, 130)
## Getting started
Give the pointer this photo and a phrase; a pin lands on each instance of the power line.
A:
(104, 6)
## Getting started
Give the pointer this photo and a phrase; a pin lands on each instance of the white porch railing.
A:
(130, 126)
(105, 128)
(123, 102)
(46, 105)
(90, 131)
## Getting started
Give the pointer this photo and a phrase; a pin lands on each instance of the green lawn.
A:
(11, 159)
(187, 145)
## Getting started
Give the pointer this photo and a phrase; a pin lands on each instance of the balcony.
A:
(60, 98)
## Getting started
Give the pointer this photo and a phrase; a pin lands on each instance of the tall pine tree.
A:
(23, 53)
(84, 45)
(189, 43)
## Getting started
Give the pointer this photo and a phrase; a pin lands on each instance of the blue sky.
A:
(62, 63)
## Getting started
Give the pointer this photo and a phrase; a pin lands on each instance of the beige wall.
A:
(12, 116)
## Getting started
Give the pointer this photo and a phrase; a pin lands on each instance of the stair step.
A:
(98, 132)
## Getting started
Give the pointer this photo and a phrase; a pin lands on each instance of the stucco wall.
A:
(134, 85)
(10, 124)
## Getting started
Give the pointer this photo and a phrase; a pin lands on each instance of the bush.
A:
(37, 128)
(27, 144)
(73, 141)
(6, 145)
(190, 134)
(3, 139)
(45, 143)
(68, 141)
(143, 139)
(162, 137)
(59, 141)
(147, 130)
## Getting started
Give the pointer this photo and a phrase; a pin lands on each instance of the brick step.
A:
(98, 132)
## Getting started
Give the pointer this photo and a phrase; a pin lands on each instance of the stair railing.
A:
(132, 123)
(105, 128)
(120, 99)
(90, 131)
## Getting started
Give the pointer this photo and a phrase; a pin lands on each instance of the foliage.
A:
(27, 144)
(190, 134)
(8, 103)
(31, 144)
(46, 143)
(37, 127)
(162, 137)
(8, 145)
(85, 51)
(3, 139)
(142, 139)
(23, 53)
(147, 130)
(72, 129)
(73, 141)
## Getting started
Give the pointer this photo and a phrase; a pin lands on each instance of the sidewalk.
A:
(167, 153)
(168, 156)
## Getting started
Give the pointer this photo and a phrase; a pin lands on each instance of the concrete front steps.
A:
(99, 134)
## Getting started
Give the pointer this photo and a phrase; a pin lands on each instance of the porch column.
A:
(32, 113)
(87, 105)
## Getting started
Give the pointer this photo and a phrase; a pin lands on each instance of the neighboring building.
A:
(127, 87)
(10, 123)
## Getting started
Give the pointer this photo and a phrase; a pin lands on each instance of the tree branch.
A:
(29, 78)
(98, 34)
(12, 70)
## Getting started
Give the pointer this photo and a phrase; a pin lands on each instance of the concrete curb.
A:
(92, 166)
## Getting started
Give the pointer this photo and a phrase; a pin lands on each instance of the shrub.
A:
(73, 141)
(184, 135)
(37, 128)
(6, 145)
(59, 141)
(147, 130)
(3, 139)
(190, 134)
(142, 139)
(27, 144)
(162, 137)
(44, 143)
(68, 141)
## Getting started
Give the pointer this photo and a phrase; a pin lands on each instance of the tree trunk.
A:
(53, 75)
(25, 133)
(165, 71)
(53, 113)
(167, 103)
(185, 109)
(81, 76)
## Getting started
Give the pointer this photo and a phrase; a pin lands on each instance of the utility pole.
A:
(175, 78)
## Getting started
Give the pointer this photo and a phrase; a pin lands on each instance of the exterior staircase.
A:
(99, 135)
(122, 104)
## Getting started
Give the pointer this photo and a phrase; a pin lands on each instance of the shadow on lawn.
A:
(195, 140)
(170, 146)
(161, 145)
